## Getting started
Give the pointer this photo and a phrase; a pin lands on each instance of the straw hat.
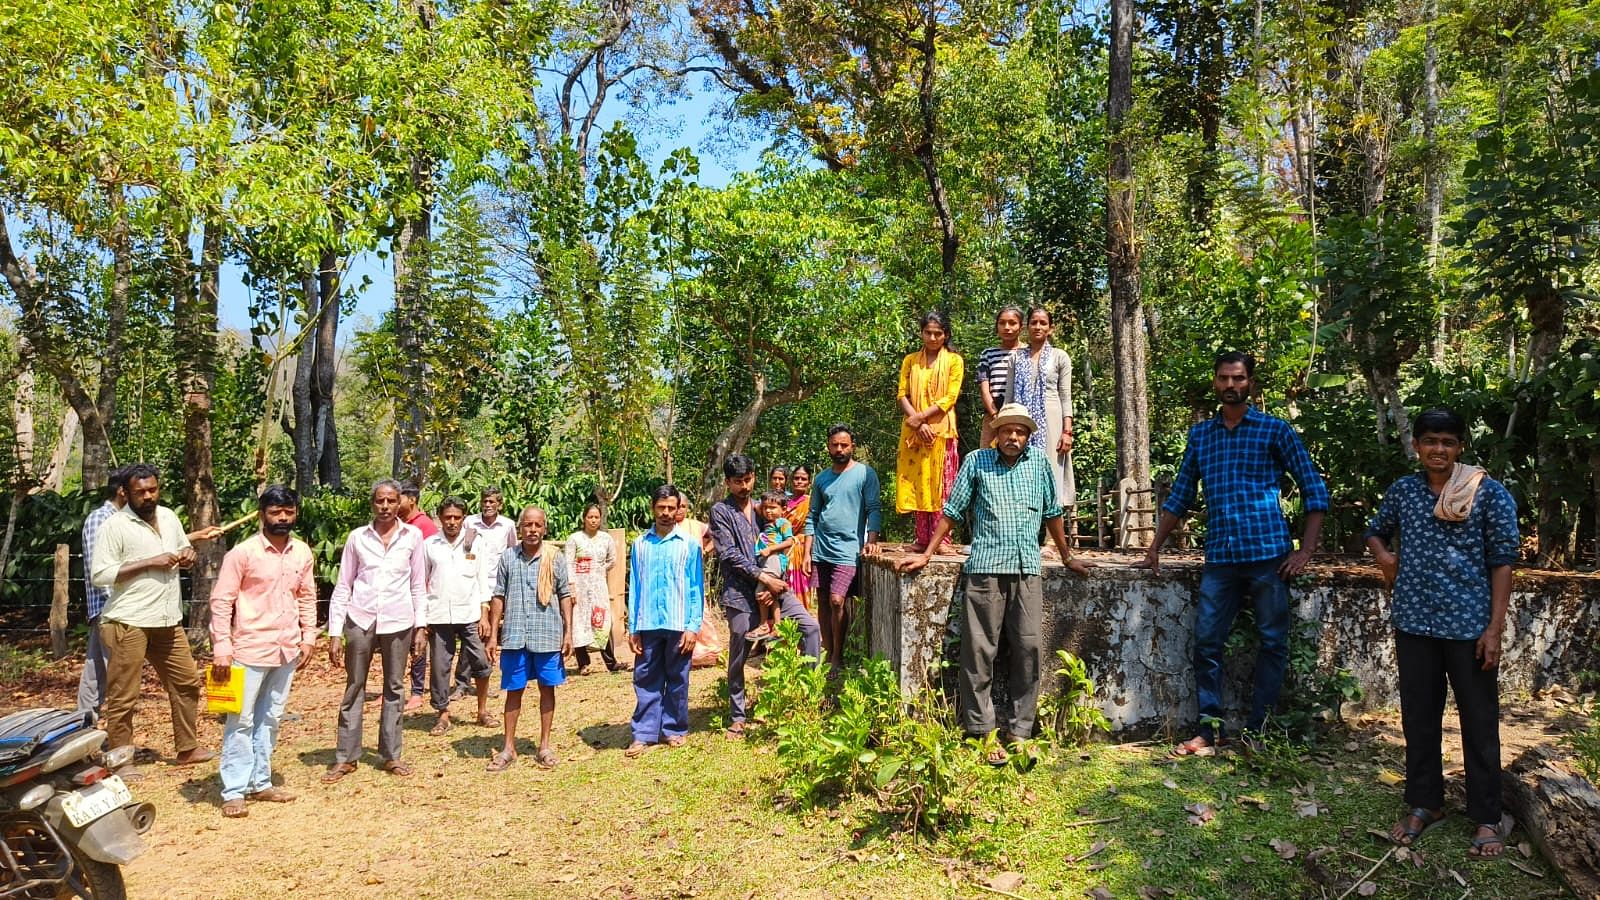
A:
(1013, 414)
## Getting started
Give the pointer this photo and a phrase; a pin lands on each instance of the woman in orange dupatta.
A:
(930, 382)
(799, 508)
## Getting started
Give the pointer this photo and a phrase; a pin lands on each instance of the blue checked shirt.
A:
(1240, 469)
(666, 583)
(1008, 505)
(525, 625)
(94, 597)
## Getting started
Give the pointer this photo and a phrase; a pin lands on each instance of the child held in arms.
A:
(772, 549)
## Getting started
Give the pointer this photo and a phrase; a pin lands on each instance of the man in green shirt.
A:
(1011, 491)
(137, 557)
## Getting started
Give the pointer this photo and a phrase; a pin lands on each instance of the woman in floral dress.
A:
(590, 555)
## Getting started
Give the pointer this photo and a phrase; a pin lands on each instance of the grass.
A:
(17, 662)
(702, 821)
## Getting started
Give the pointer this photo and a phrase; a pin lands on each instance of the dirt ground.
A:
(697, 821)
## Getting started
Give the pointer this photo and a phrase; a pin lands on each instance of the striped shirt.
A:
(525, 624)
(1240, 468)
(994, 366)
(94, 595)
(666, 583)
(1008, 505)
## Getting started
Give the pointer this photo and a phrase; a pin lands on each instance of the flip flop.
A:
(336, 772)
(997, 757)
(676, 741)
(636, 749)
(1429, 822)
(1195, 746)
(398, 768)
(197, 759)
(546, 759)
(440, 727)
(735, 731)
(501, 762)
(1500, 835)
(487, 720)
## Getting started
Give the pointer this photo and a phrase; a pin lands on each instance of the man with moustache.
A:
(666, 606)
(735, 524)
(137, 557)
(497, 533)
(412, 514)
(263, 617)
(1240, 455)
(844, 522)
(1011, 490)
(530, 631)
(459, 571)
(378, 607)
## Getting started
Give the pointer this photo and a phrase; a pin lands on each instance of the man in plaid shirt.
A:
(92, 684)
(1240, 455)
(1011, 491)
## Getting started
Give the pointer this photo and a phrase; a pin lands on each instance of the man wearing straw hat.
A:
(1011, 491)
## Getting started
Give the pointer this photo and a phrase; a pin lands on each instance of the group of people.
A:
(481, 592)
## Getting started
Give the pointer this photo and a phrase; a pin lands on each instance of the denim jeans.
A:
(1223, 588)
(250, 735)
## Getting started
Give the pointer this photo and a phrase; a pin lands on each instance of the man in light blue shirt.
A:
(844, 523)
(666, 604)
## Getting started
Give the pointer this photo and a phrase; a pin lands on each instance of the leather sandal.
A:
(337, 771)
(1429, 820)
(398, 767)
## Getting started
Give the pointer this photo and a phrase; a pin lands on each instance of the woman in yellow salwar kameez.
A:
(930, 382)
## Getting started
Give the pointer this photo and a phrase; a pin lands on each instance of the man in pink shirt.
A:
(263, 617)
(379, 606)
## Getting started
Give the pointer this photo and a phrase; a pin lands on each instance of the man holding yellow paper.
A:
(263, 617)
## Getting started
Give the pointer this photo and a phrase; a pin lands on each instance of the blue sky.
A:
(692, 122)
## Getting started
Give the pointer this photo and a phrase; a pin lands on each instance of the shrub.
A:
(1070, 716)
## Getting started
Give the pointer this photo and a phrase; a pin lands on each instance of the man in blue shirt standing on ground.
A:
(844, 523)
(1452, 583)
(1239, 455)
(666, 605)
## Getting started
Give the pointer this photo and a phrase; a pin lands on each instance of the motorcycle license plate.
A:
(96, 800)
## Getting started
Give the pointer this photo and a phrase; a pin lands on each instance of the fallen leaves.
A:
(1007, 881)
(1284, 849)
(1200, 813)
(1367, 888)
(1390, 778)
(1094, 848)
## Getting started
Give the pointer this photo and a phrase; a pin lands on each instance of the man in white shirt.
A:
(460, 564)
(497, 533)
(378, 606)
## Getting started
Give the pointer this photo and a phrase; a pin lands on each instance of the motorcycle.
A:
(67, 823)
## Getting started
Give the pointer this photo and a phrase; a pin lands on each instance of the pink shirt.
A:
(378, 585)
(264, 604)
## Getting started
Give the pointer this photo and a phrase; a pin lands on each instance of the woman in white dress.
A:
(590, 555)
(1041, 380)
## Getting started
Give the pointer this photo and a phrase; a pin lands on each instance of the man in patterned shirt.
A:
(1011, 491)
(92, 684)
(1240, 455)
(530, 617)
(1452, 582)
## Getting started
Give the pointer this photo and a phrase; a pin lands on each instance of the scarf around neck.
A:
(1455, 501)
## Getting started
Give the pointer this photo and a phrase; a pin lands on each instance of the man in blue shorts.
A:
(530, 630)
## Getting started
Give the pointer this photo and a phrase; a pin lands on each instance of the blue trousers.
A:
(1223, 589)
(661, 686)
(249, 736)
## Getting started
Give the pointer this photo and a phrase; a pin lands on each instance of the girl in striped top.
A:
(994, 368)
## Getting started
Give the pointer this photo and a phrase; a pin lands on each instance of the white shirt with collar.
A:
(502, 535)
(459, 577)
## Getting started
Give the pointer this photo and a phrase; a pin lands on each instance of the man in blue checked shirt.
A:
(1240, 455)
(666, 604)
(92, 684)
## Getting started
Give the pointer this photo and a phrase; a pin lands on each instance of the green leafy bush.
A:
(1070, 716)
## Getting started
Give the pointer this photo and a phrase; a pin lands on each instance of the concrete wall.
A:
(1133, 630)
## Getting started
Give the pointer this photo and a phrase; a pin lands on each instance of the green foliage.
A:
(1584, 743)
(1312, 699)
(1070, 715)
(862, 740)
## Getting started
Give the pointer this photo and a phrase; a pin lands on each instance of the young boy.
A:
(772, 551)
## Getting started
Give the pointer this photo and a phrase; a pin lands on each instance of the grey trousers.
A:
(1001, 604)
(359, 646)
(442, 641)
(92, 683)
(739, 622)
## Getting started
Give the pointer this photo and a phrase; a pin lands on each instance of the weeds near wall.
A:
(1070, 715)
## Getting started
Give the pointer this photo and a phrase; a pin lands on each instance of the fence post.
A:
(1100, 514)
(58, 602)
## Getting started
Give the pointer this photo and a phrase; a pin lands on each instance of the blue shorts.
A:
(518, 666)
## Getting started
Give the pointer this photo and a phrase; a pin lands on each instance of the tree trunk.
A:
(734, 437)
(195, 343)
(327, 436)
(927, 151)
(1122, 257)
(1433, 166)
(304, 432)
(1558, 808)
(55, 473)
(411, 275)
